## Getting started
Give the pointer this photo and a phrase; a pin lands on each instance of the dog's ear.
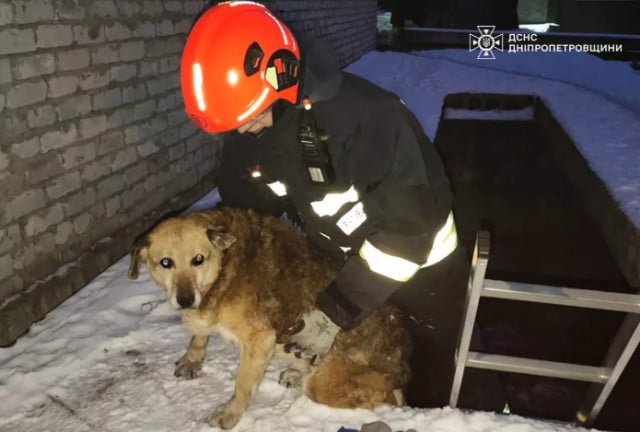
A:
(221, 240)
(138, 249)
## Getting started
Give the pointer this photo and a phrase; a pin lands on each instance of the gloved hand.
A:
(312, 337)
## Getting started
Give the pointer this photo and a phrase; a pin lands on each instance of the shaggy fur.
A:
(250, 277)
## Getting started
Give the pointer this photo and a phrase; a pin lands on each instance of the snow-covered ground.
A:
(103, 361)
(596, 101)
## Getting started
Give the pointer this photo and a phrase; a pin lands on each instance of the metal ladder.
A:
(603, 378)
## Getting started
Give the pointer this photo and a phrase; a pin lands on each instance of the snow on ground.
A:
(596, 101)
(103, 361)
(538, 28)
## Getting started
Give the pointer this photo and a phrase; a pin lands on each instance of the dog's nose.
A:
(185, 300)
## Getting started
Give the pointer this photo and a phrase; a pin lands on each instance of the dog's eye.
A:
(197, 260)
(166, 262)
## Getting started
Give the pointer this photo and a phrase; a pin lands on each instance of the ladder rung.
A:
(561, 296)
(531, 366)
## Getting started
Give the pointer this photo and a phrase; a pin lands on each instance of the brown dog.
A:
(250, 276)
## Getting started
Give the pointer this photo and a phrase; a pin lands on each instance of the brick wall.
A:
(94, 142)
(93, 139)
(350, 26)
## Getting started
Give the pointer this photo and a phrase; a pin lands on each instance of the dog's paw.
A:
(224, 416)
(187, 369)
(291, 378)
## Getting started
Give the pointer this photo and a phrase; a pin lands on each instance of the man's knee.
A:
(437, 292)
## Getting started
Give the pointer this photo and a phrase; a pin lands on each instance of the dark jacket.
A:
(378, 149)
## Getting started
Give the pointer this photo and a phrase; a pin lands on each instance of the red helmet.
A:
(238, 60)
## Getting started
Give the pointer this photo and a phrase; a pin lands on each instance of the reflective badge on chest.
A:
(351, 220)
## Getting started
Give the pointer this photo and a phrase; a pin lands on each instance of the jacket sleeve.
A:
(235, 185)
(407, 200)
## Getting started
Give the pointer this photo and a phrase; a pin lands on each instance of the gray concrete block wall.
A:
(93, 138)
(94, 142)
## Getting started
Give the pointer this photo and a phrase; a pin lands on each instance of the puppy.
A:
(249, 277)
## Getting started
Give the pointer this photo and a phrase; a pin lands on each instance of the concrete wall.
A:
(94, 143)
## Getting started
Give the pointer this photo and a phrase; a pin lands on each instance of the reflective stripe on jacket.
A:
(388, 211)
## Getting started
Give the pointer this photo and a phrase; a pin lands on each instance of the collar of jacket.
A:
(322, 75)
